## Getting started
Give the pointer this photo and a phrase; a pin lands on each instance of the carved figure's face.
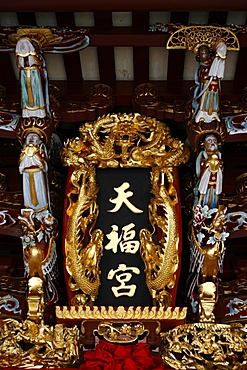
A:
(204, 54)
(210, 143)
(33, 139)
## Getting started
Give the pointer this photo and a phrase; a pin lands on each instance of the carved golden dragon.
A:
(82, 260)
(161, 260)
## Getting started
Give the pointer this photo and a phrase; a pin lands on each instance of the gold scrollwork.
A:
(120, 332)
(30, 345)
(192, 37)
(120, 313)
(205, 346)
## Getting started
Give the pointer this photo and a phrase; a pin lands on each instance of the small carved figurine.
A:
(33, 166)
(207, 78)
(209, 172)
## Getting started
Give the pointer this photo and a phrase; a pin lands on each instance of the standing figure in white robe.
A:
(33, 166)
(208, 75)
(33, 79)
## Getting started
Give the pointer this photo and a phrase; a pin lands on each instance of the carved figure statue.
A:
(207, 78)
(33, 166)
(214, 249)
(209, 172)
(208, 234)
(33, 78)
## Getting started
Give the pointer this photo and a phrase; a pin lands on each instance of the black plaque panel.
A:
(114, 260)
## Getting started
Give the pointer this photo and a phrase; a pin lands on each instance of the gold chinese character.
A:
(123, 278)
(122, 197)
(125, 241)
(114, 239)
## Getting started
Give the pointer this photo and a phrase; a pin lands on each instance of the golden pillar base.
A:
(207, 302)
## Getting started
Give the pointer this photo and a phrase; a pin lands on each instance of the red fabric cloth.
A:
(109, 356)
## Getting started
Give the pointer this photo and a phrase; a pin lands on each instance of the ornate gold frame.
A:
(126, 141)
